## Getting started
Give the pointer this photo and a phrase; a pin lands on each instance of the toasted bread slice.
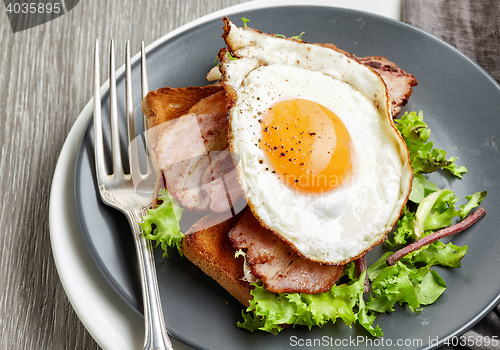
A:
(207, 245)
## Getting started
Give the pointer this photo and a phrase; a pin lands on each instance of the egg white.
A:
(339, 225)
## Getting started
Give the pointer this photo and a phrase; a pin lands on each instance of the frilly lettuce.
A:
(435, 211)
(423, 156)
(436, 207)
(161, 224)
(270, 311)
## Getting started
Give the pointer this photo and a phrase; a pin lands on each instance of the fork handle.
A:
(156, 337)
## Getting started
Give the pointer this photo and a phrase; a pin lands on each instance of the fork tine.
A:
(129, 97)
(98, 139)
(115, 133)
(144, 90)
(144, 72)
(135, 170)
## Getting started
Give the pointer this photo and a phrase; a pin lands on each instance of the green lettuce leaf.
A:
(421, 188)
(430, 288)
(344, 301)
(161, 224)
(404, 229)
(405, 284)
(424, 157)
(393, 286)
(411, 281)
(438, 210)
(378, 266)
(437, 253)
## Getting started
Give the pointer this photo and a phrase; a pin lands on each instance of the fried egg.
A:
(319, 158)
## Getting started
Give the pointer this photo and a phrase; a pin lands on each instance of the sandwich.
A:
(288, 169)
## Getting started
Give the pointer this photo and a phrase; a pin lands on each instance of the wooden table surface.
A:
(45, 77)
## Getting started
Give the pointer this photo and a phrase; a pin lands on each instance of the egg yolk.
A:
(307, 144)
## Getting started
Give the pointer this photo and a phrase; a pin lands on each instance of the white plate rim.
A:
(106, 317)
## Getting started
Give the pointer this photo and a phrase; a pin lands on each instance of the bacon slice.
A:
(167, 103)
(361, 267)
(275, 263)
(194, 157)
(399, 83)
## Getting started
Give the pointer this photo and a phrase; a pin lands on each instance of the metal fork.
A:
(130, 193)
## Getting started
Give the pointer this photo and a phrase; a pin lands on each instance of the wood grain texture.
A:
(45, 79)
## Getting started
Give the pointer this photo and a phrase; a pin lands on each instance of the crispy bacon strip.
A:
(399, 83)
(361, 267)
(166, 104)
(279, 267)
(459, 227)
(193, 155)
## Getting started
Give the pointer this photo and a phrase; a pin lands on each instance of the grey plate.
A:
(461, 103)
